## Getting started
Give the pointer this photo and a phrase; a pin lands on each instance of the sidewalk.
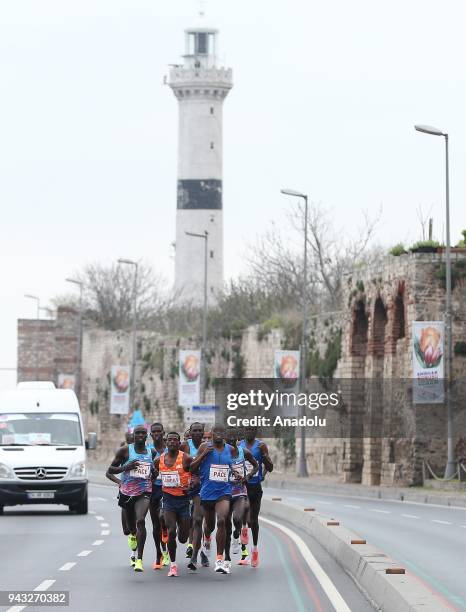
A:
(329, 484)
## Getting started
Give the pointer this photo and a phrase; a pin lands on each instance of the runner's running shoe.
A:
(132, 559)
(173, 571)
(165, 558)
(192, 566)
(227, 567)
(158, 563)
(189, 551)
(219, 566)
(138, 566)
(132, 542)
(244, 535)
(255, 558)
(164, 536)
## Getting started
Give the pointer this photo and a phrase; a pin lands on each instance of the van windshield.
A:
(40, 429)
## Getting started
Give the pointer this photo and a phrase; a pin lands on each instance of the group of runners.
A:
(209, 480)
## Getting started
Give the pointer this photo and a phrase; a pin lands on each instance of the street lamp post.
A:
(450, 469)
(80, 284)
(205, 237)
(130, 262)
(37, 300)
(302, 468)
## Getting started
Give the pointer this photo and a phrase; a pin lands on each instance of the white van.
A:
(42, 447)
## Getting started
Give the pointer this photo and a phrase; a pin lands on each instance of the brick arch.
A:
(379, 322)
(398, 330)
(359, 330)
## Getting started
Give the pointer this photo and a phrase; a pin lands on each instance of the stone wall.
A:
(373, 328)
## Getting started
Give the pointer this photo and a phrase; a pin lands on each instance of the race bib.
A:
(219, 473)
(238, 471)
(170, 479)
(142, 471)
(249, 467)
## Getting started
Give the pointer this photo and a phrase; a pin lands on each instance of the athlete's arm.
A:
(156, 467)
(116, 467)
(267, 461)
(187, 460)
(203, 451)
(255, 466)
(113, 478)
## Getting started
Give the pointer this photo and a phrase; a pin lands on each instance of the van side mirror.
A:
(91, 442)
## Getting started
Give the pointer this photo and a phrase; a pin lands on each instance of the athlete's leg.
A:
(196, 526)
(124, 523)
(222, 510)
(239, 512)
(209, 520)
(170, 521)
(141, 507)
(255, 506)
(183, 523)
(155, 518)
(228, 530)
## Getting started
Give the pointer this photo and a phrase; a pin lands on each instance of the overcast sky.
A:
(324, 100)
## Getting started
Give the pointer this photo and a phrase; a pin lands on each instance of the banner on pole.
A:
(428, 341)
(200, 413)
(119, 390)
(67, 381)
(286, 372)
(189, 386)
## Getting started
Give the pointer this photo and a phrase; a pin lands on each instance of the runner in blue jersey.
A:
(260, 452)
(191, 446)
(214, 460)
(239, 495)
(158, 447)
(134, 463)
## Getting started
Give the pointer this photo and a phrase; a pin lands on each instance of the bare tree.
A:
(108, 295)
(278, 264)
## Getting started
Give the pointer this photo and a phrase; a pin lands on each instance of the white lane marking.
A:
(319, 501)
(327, 585)
(351, 506)
(66, 567)
(381, 511)
(100, 518)
(413, 516)
(84, 553)
(463, 526)
(97, 542)
(43, 586)
(441, 522)
(104, 525)
(92, 512)
(105, 532)
(97, 499)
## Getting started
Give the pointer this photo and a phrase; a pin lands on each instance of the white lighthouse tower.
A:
(200, 86)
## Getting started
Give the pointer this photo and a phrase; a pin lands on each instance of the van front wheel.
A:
(81, 507)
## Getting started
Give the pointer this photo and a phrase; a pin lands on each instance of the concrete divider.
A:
(368, 566)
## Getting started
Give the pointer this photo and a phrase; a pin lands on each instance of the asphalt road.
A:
(428, 540)
(46, 547)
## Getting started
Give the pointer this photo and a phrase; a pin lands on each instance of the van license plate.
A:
(41, 494)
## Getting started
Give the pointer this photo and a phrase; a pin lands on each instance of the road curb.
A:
(366, 564)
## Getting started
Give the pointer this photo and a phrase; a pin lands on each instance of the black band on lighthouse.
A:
(199, 194)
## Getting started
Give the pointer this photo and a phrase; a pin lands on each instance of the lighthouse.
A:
(200, 85)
